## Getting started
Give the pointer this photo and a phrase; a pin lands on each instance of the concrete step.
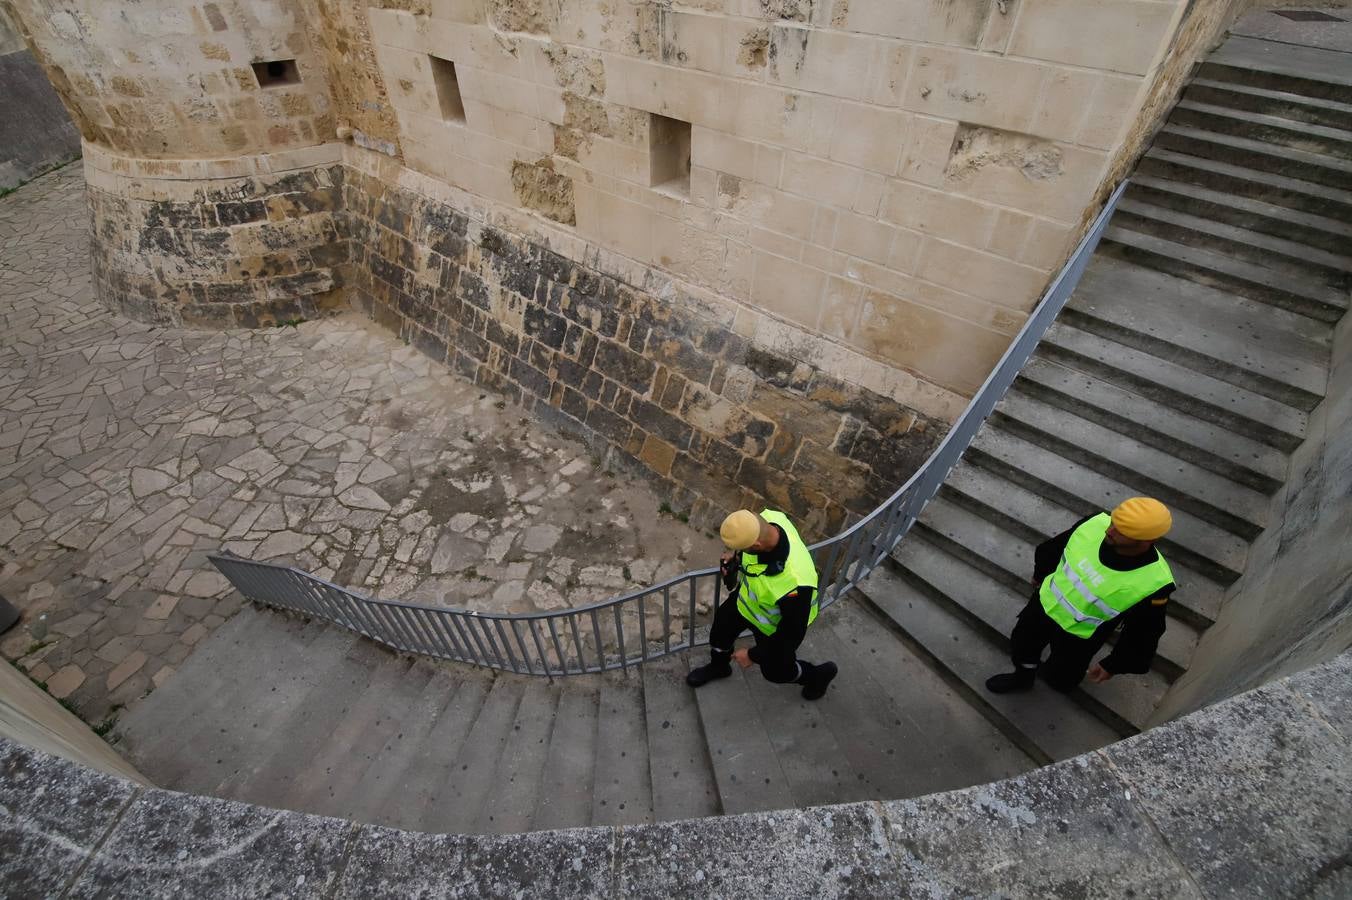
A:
(1289, 257)
(213, 698)
(623, 791)
(395, 779)
(904, 730)
(471, 784)
(1304, 296)
(1276, 189)
(814, 765)
(358, 736)
(521, 768)
(678, 756)
(1226, 453)
(1294, 107)
(1308, 71)
(1007, 558)
(437, 763)
(1183, 388)
(1273, 129)
(147, 734)
(1320, 232)
(1214, 552)
(565, 795)
(1179, 484)
(247, 737)
(1046, 725)
(1035, 518)
(272, 775)
(991, 609)
(1272, 352)
(1313, 168)
(746, 768)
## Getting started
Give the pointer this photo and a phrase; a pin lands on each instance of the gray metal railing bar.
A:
(558, 645)
(506, 645)
(844, 560)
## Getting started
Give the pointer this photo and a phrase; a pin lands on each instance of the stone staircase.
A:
(1183, 367)
(301, 715)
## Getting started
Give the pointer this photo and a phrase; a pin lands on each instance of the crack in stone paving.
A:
(128, 452)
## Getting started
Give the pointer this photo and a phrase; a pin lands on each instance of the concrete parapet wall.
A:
(1252, 797)
(724, 407)
(34, 718)
(242, 242)
(1293, 605)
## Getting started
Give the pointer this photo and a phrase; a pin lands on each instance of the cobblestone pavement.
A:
(129, 452)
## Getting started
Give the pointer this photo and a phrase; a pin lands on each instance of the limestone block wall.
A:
(656, 379)
(252, 241)
(898, 176)
(169, 79)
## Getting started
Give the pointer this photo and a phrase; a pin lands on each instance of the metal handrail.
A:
(592, 638)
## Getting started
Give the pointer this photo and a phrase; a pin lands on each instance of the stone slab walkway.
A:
(127, 453)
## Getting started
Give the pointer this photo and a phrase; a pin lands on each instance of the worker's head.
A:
(1137, 524)
(744, 530)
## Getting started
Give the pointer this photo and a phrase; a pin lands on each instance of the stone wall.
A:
(655, 379)
(238, 243)
(32, 717)
(898, 177)
(1292, 608)
(170, 79)
(1250, 798)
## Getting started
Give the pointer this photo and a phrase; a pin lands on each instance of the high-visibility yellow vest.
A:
(1082, 593)
(758, 594)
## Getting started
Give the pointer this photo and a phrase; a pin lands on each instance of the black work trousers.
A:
(1070, 656)
(778, 660)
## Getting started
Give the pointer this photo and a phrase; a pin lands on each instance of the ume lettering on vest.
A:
(1090, 572)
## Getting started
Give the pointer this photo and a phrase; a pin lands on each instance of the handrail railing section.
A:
(655, 621)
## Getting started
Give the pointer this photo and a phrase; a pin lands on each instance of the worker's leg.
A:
(1032, 633)
(728, 626)
(1070, 659)
(784, 666)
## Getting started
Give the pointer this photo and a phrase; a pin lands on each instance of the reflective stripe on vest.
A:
(1068, 597)
(758, 595)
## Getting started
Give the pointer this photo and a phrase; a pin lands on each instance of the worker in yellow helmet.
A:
(1102, 573)
(773, 594)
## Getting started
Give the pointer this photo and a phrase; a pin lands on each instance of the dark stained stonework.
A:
(242, 253)
(649, 384)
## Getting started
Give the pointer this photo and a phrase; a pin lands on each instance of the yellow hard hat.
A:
(1142, 519)
(740, 530)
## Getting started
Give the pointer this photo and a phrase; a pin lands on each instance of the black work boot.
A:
(711, 671)
(816, 679)
(1021, 679)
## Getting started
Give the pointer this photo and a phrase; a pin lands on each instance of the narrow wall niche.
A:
(669, 155)
(448, 89)
(275, 73)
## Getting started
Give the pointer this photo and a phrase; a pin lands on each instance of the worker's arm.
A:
(1048, 553)
(794, 608)
(1142, 627)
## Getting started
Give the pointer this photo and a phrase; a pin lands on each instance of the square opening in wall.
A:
(276, 73)
(669, 155)
(448, 89)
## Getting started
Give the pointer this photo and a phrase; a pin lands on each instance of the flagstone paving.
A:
(129, 452)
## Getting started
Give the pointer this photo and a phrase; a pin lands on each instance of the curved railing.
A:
(655, 621)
